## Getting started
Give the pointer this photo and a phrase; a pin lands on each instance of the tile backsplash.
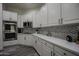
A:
(61, 31)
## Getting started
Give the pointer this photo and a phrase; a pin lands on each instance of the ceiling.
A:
(24, 6)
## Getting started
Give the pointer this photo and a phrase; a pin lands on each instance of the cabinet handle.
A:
(64, 53)
(51, 53)
(61, 20)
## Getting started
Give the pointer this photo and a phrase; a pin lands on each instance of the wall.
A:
(1, 41)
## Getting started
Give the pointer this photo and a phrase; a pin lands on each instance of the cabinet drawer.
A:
(41, 40)
(49, 45)
(69, 53)
(62, 51)
(45, 43)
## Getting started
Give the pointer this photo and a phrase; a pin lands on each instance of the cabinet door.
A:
(13, 16)
(29, 40)
(34, 19)
(62, 52)
(37, 19)
(6, 15)
(22, 20)
(35, 44)
(43, 15)
(70, 13)
(33, 41)
(39, 47)
(19, 21)
(53, 14)
(46, 50)
(21, 39)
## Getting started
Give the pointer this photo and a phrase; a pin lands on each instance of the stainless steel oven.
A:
(9, 30)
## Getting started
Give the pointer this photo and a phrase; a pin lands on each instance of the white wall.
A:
(1, 40)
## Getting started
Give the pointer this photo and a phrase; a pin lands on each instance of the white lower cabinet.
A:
(28, 40)
(44, 48)
(39, 48)
(21, 38)
(62, 52)
(35, 42)
(25, 39)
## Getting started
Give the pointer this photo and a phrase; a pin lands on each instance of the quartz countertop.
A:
(70, 46)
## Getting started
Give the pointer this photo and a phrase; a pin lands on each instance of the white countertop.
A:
(71, 46)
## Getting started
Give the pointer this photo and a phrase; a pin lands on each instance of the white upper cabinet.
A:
(9, 16)
(37, 19)
(22, 20)
(53, 14)
(19, 21)
(43, 15)
(34, 20)
(70, 13)
(6, 15)
(13, 15)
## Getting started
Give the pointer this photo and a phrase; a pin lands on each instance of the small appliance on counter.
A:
(69, 38)
(72, 36)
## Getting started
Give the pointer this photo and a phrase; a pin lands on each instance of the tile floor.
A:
(18, 50)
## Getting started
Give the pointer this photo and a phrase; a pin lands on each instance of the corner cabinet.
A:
(9, 16)
(70, 13)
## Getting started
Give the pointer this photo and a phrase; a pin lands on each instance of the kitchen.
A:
(43, 29)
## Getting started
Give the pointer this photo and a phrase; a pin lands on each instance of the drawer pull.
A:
(64, 53)
(53, 54)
